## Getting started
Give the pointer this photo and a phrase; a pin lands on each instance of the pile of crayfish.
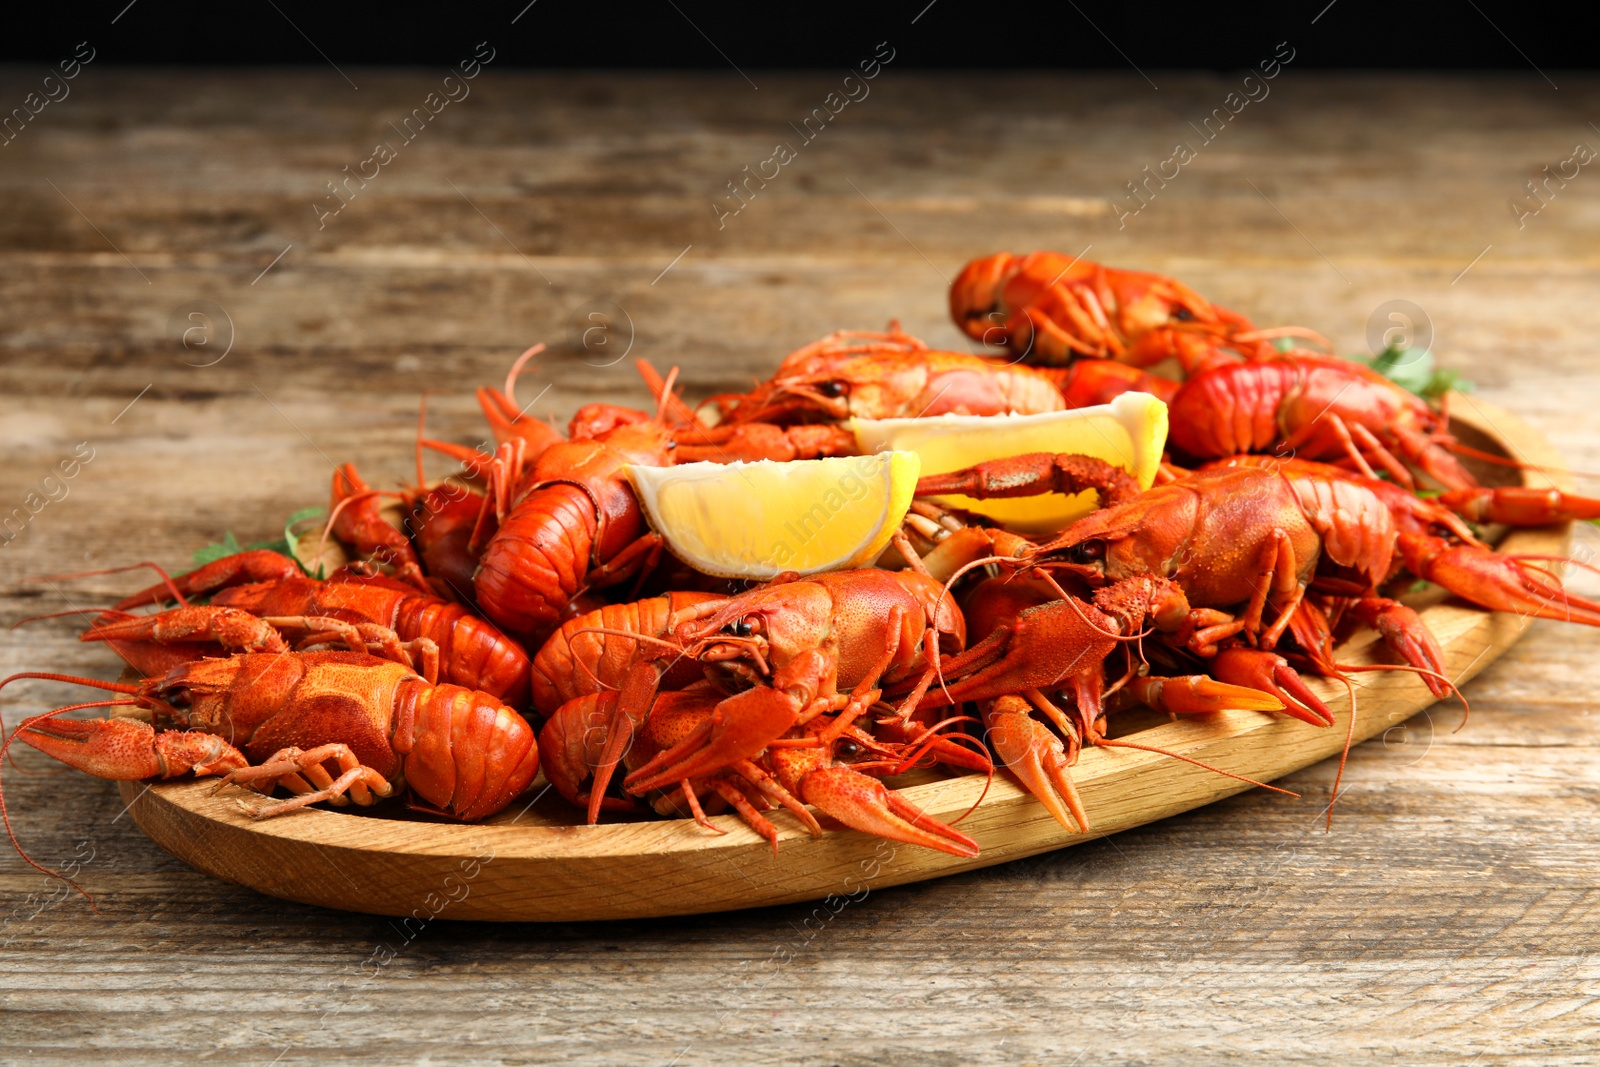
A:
(520, 619)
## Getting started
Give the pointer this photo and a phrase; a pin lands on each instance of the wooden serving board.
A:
(529, 863)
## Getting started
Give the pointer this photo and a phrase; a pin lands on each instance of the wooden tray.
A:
(524, 864)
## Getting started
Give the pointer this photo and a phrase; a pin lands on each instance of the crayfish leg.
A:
(753, 818)
(361, 783)
(776, 792)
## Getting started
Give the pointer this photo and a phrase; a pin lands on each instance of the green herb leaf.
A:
(291, 540)
(1409, 368)
(1446, 381)
(285, 545)
(228, 546)
(1413, 370)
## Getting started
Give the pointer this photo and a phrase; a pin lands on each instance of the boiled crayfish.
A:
(1053, 309)
(282, 719)
(472, 652)
(787, 653)
(1314, 407)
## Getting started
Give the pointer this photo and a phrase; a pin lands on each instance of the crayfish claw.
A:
(1494, 580)
(1196, 694)
(865, 804)
(1271, 673)
(1403, 630)
(123, 749)
(743, 725)
(1037, 757)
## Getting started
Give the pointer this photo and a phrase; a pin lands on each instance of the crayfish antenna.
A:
(1106, 742)
(1422, 672)
(667, 399)
(1542, 558)
(472, 460)
(422, 420)
(1344, 755)
(5, 813)
(516, 370)
(50, 676)
(166, 580)
(1505, 461)
(1493, 580)
(1301, 333)
(956, 749)
(71, 611)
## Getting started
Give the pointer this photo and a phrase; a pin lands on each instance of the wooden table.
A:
(1448, 918)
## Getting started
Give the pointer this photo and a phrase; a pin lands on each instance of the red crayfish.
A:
(283, 718)
(1053, 309)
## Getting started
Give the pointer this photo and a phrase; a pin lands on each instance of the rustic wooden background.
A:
(1448, 918)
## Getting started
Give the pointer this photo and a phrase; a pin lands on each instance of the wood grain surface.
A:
(1449, 918)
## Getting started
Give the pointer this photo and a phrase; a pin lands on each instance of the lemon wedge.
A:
(757, 520)
(1130, 432)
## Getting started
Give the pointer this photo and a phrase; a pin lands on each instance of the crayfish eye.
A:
(846, 749)
(1086, 552)
(833, 389)
(1183, 314)
(743, 628)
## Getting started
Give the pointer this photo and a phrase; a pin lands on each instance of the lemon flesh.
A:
(1129, 432)
(757, 520)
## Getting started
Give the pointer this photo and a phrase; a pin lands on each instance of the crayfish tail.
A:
(465, 751)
